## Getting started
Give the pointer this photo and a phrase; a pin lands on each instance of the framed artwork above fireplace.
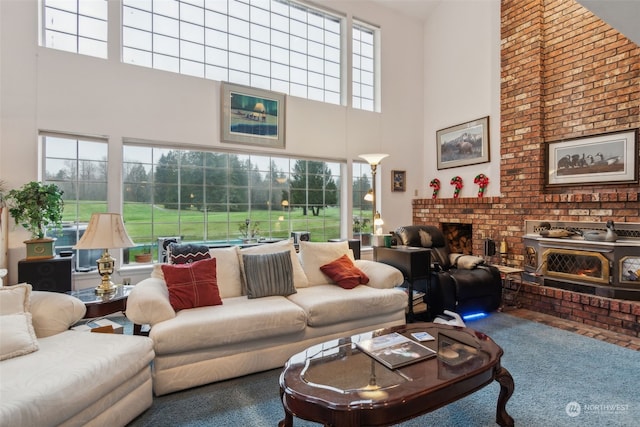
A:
(610, 158)
(464, 144)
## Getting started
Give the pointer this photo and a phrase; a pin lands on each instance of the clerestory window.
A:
(276, 45)
(78, 26)
(363, 67)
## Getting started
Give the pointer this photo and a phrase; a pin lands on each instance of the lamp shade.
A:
(105, 231)
(373, 158)
(369, 196)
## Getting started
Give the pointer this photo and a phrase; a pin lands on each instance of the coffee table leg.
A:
(506, 390)
(287, 421)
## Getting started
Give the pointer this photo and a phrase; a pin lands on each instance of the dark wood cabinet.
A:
(413, 262)
(53, 274)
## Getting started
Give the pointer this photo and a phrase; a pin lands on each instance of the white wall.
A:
(462, 83)
(44, 89)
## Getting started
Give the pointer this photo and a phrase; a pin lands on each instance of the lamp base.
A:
(105, 289)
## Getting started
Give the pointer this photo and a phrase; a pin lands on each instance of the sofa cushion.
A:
(299, 276)
(72, 379)
(343, 272)
(186, 253)
(239, 320)
(16, 329)
(313, 255)
(268, 274)
(330, 304)
(55, 312)
(192, 285)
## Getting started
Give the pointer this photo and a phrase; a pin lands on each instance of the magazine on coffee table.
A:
(395, 350)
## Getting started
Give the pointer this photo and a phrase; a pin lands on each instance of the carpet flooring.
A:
(561, 379)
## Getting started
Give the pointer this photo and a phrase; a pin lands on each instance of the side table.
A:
(413, 262)
(102, 305)
(507, 293)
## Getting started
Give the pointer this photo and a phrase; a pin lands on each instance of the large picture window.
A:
(224, 198)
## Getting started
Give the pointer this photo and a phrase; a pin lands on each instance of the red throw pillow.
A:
(192, 285)
(344, 272)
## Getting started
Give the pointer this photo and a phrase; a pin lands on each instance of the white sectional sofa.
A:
(52, 376)
(243, 335)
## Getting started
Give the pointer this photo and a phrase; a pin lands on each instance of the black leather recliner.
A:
(463, 289)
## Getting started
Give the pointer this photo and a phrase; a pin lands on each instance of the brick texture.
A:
(564, 74)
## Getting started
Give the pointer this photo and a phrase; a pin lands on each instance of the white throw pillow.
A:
(228, 271)
(299, 276)
(313, 255)
(15, 299)
(17, 336)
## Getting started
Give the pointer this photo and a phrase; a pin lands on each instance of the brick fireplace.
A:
(565, 74)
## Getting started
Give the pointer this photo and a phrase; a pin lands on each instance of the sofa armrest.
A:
(148, 303)
(380, 275)
(54, 312)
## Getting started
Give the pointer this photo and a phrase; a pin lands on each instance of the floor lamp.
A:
(374, 160)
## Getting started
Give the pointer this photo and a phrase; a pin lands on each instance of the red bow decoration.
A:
(457, 181)
(435, 183)
(482, 180)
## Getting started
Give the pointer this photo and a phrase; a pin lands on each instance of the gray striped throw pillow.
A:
(268, 274)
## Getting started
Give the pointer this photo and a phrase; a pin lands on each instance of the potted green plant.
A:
(361, 230)
(37, 207)
(249, 231)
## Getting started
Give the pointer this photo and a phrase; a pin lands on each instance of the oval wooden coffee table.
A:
(334, 383)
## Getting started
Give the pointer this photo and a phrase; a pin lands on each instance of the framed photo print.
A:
(607, 158)
(252, 116)
(398, 180)
(464, 144)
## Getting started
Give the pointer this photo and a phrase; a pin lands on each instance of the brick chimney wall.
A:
(564, 74)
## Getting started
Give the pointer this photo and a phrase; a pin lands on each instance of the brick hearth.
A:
(565, 74)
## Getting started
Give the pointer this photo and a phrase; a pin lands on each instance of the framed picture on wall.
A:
(252, 116)
(464, 144)
(607, 158)
(398, 180)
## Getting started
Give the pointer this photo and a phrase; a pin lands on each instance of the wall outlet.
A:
(126, 280)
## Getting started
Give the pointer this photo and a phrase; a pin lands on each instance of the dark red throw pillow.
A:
(192, 285)
(344, 272)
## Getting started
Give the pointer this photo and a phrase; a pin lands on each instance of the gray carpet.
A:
(561, 379)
